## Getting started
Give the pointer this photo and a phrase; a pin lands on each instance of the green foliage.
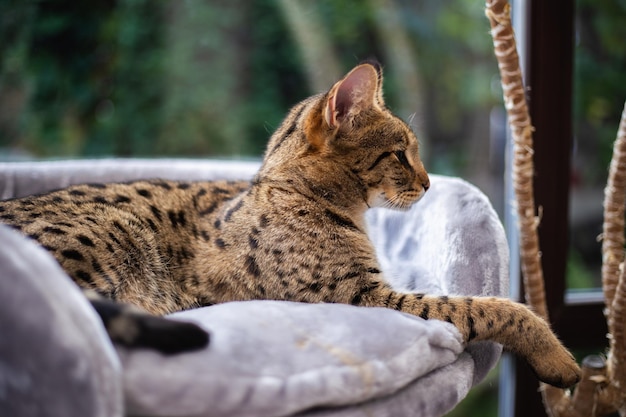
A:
(127, 116)
(579, 275)
(482, 400)
(137, 77)
(93, 74)
(275, 77)
(350, 26)
(456, 58)
(600, 91)
(14, 38)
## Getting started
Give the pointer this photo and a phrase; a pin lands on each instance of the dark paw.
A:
(170, 336)
(129, 327)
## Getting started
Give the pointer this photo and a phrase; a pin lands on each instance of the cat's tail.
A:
(133, 328)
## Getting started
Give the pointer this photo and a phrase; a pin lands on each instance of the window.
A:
(575, 103)
(214, 79)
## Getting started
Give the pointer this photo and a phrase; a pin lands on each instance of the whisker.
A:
(392, 203)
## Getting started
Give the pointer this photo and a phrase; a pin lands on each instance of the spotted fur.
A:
(295, 232)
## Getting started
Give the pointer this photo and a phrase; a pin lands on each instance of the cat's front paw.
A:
(556, 367)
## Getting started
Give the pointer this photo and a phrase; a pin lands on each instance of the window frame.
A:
(545, 31)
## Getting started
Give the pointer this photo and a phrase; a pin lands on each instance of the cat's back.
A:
(114, 237)
(158, 206)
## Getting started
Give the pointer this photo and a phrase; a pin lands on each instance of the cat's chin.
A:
(401, 207)
(399, 202)
(395, 204)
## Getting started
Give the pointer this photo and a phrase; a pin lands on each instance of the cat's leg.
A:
(511, 324)
(129, 326)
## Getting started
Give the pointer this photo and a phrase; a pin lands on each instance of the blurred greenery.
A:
(482, 400)
(600, 90)
(192, 78)
(579, 274)
(599, 94)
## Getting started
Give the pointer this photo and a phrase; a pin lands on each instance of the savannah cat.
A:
(296, 232)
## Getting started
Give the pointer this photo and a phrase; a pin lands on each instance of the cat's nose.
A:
(426, 185)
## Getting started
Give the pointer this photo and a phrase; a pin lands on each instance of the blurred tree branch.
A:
(320, 62)
(401, 59)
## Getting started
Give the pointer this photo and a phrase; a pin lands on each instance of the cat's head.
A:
(349, 132)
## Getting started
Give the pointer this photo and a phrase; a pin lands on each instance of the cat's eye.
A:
(402, 158)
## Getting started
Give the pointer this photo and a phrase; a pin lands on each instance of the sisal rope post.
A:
(613, 274)
(498, 12)
(613, 226)
(602, 389)
(557, 402)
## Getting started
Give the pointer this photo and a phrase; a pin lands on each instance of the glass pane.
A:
(599, 94)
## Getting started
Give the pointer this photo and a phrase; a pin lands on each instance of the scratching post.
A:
(602, 389)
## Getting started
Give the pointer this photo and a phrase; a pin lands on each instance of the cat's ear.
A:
(359, 90)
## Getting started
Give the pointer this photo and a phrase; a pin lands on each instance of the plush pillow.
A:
(270, 358)
(55, 357)
(451, 242)
(276, 358)
(266, 358)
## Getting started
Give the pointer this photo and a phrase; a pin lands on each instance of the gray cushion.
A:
(277, 358)
(55, 358)
(271, 358)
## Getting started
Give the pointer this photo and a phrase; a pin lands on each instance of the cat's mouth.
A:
(401, 201)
